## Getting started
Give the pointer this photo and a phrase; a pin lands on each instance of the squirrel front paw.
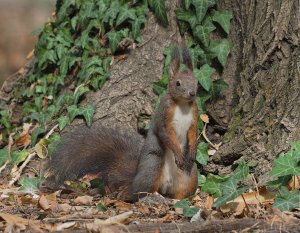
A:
(180, 163)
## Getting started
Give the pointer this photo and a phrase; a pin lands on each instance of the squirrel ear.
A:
(187, 60)
(175, 62)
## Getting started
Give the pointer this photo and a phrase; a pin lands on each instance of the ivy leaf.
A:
(286, 164)
(218, 86)
(29, 185)
(241, 172)
(201, 100)
(125, 14)
(204, 76)
(190, 212)
(286, 200)
(3, 155)
(182, 204)
(281, 181)
(37, 132)
(187, 4)
(114, 39)
(54, 141)
(223, 18)
(186, 16)
(18, 157)
(160, 11)
(79, 92)
(202, 6)
(73, 112)
(136, 28)
(88, 113)
(202, 32)
(202, 153)
(233, 193)
(62, 122)
(221, 49)
(212, 186)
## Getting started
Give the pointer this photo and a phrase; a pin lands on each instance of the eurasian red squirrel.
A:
(127, 163)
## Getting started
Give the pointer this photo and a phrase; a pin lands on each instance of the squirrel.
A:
(129, 165)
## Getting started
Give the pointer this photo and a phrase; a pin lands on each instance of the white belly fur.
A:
(182, 121)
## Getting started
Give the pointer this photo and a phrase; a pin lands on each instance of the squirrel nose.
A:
(192, 93)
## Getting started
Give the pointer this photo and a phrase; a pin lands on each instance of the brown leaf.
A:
(204, 118)
(43, 203)
(84, 200)
(121, 205)
(209, 202)
(14, 219)
(30, 54)
(65, 225)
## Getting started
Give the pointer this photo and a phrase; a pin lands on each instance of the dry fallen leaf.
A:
(65, 225)
(11, 219)
(204, 118)
(84, 200)
(43, 203)
(209, 202)
(40, 148)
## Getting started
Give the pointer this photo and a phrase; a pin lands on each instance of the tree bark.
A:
(266, 67)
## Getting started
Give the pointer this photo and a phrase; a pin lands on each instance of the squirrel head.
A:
(182, 83)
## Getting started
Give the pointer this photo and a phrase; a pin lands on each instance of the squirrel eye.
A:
(178, 83)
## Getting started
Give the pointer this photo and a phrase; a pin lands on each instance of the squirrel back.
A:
(111, 154)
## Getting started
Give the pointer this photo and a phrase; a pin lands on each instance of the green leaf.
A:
(88, 113)
(160, 11)
(62, 122)
(202, 153)
(36, 133)
(223, 18)
(182, 204)
(221, 49)
(114, 39)
(281, 181)
(203, 32)
(204, 76)
(286, 164)
(218, 86)
(233, 192)
(286, 200)
(79, 92)
(202, 6)
(18, 157)
(29, 185)
(125, 14)
(201, 179)
(73, 112)
(3, 155)
(212, 186)
(190, 212)
(187, 4)
(182, 14)
(241, 172)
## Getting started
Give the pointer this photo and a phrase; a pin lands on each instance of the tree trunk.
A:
(265, 68)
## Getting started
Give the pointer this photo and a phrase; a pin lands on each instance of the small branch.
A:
(51, 131)
(215, 146)
(19, 172)
(4, 165)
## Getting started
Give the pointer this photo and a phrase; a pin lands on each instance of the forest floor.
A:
(86, 211)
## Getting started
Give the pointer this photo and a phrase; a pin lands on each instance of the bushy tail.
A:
(112, 153)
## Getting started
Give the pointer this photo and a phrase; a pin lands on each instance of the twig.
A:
(19, 172)
(51, 131)
(4, 165)
(215, 146)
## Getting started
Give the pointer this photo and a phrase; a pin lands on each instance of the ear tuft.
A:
(187, 60)
(175, 62)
